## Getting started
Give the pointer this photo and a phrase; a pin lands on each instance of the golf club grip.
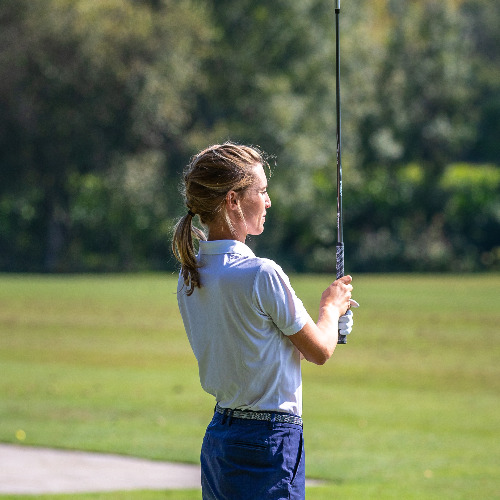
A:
(340, 273)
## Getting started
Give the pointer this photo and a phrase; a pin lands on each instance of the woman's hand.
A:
(317, 341)
(336, 297)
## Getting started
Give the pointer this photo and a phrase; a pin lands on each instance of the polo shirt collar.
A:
(225, 246)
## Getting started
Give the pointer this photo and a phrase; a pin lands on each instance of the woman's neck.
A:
(224, 233)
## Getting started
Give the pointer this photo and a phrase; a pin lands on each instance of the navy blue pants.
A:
(251, 459)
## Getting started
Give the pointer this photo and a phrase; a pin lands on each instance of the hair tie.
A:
(192, 214)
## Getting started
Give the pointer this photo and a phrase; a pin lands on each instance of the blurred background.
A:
(102, 104)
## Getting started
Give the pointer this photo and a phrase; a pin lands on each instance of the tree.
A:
(482, 19)
(89, 84)
(423, 89)
(102, 104)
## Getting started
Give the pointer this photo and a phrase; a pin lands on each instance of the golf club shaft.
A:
(340, 222)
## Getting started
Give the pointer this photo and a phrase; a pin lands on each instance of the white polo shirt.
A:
(237, 324)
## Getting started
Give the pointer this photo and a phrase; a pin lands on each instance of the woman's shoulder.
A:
(263, 266)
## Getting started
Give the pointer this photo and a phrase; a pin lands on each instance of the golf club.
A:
(340, 224)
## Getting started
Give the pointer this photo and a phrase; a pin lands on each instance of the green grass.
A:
(408, 409)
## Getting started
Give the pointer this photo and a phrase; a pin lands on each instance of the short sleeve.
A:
(276, 298)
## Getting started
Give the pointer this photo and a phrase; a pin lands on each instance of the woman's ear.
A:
(232, 200)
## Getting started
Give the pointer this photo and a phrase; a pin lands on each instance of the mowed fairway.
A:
(408, 409)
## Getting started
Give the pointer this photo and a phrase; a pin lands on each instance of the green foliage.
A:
(423, 87)
(102, 363)
(483, 18)
(472, 213)
(459, 233)
(119, 219)
(103, 103)
(96, 84)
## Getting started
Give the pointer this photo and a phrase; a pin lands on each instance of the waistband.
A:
(260, 415)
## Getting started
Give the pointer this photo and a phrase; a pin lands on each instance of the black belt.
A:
(260, 415)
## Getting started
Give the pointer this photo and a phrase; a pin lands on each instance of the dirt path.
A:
(30, 470)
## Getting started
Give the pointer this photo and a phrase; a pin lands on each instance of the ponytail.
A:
(184, 251)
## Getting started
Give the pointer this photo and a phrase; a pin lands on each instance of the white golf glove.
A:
(346, 320)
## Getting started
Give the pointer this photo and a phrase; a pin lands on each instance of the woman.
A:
(248, 330)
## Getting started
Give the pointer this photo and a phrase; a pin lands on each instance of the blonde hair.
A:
(210, 175)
